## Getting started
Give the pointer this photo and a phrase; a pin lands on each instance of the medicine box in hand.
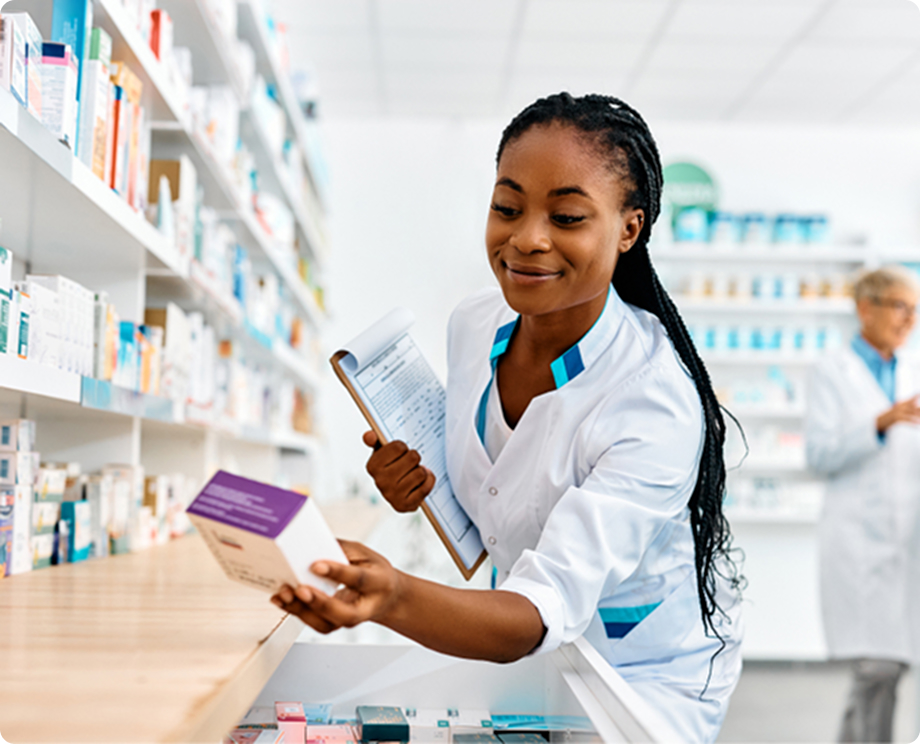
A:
(264, 536)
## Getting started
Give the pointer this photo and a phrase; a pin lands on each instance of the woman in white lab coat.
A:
(862, 433)
(583, 438)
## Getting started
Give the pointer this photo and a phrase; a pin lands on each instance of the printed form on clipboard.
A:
(402, 399)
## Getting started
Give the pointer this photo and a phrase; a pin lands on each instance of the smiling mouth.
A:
(529, 274)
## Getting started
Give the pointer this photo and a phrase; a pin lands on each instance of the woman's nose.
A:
(532, 236)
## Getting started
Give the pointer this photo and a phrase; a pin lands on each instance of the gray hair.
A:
(873, 285)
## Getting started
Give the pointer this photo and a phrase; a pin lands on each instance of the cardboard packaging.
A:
(13, 46)
(161, 34)
(292, 723)
(6, 533)
(42, 550)
(333, 734)
(6, 300)
(259, 717)
(264, 536)
(428, 724)
(17, 435)
(381, 723)
(17, 468)
(21, 559)
(60, 77)
(72, 24)
(77, 516)
(255, 736)
(33, 43)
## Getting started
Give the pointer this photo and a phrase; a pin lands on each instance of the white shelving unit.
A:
(774, 500)
(57, 217)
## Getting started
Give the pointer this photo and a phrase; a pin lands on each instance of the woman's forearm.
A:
(473, 624)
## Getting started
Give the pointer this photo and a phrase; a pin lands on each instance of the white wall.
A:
(409, 200)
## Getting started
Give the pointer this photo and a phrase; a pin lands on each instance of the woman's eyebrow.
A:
(570, 190)
(505, 181)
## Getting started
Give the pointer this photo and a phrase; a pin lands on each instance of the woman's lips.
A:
(528, 275)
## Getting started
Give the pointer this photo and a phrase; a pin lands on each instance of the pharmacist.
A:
(862, 433)
(583, 438)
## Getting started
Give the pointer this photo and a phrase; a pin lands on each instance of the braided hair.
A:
(623, 137)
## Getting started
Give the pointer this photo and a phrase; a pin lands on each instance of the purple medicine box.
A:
(264, 536)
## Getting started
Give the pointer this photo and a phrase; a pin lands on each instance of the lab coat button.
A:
(493, 490)
(492, 541)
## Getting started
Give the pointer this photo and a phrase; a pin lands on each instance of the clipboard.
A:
(384, 341)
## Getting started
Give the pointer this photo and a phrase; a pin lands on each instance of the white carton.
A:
(263, 536)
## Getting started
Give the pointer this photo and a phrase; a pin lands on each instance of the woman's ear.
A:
(634, 219)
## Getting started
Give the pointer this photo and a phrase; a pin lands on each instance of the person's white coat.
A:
(868, 532)
(585, 512)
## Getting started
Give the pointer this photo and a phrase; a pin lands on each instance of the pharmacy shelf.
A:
(213, 62)
(204, 293)
(737, 515)
(29, 377)
(128, 46)
(770, 467)
(757, 359)
(768, 307)
(800, 254)
(23, 376)
(162, 630)
(252, 28)
(765, 413)
(272, 170)
(57, 212)
(220, 192)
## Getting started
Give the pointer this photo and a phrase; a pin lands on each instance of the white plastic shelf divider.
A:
(779, 307)
(28, 377)
(800, 254)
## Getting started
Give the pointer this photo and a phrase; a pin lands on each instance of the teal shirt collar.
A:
(579, 357)
(883, 370)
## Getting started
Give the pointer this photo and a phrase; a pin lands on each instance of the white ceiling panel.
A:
(486, 16)
(453, 106)
(349, 82)
(724, 88)
(851, 62)
(553, 54)
(323, 15)
(712, 58)
(419, 83)
(586, 19)
(525, 89)
(331, 49)
(879, 19)
(899, 103)
(458, 52)
(741, 20)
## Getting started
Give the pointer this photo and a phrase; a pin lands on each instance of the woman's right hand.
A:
(398, 473)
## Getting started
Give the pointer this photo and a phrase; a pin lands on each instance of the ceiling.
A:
(796, 61)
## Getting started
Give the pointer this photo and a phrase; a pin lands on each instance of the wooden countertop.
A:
(151, 646)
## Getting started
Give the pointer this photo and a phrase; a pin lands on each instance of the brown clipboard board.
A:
(344, 379)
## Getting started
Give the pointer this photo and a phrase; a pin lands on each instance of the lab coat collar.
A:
(581, 355)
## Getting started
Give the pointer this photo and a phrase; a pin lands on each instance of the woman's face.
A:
(557, 223)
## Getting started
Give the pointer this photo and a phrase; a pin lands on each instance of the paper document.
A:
(402, 399)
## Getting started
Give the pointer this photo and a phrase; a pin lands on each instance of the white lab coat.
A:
(868, 532)
(585, 510)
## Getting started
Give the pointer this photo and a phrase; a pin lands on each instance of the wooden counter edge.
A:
(219, 712)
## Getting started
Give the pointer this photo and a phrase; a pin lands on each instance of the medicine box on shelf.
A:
(571, 681)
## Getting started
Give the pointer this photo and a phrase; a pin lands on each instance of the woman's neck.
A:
(543, 338)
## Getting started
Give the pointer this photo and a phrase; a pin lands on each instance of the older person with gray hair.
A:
(862, 433)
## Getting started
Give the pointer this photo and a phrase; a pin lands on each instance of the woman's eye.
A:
(504, 211)
(567, 219)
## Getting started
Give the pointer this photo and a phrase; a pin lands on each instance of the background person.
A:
(862, 432)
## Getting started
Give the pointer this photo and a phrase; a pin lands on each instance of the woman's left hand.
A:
(370, 589)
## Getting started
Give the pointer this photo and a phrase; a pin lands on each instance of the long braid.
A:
(622, 135)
